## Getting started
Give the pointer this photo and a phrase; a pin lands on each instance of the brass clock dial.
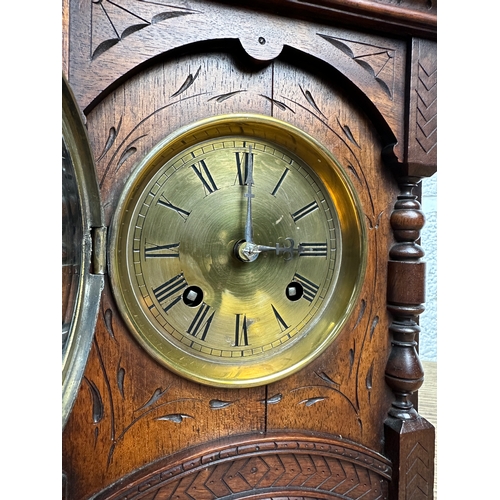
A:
(237, 250)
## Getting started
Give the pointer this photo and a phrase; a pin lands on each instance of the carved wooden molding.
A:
(277, 465)
(422, 121)
(408, 17)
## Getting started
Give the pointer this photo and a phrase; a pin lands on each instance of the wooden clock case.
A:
(360, 77)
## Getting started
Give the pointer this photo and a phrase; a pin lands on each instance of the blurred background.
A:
(428, 320)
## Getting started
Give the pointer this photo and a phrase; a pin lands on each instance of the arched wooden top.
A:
(107, 44)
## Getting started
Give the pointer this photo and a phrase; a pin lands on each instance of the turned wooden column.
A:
(405, 300)
(409, 437)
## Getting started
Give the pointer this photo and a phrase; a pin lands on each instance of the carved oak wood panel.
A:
(127, 401)
(141, 69)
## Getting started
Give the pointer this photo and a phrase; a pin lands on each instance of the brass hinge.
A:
(99, 237)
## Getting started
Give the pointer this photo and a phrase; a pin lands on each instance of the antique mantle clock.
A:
(242, 274)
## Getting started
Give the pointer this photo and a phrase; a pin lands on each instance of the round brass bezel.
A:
(280, 362)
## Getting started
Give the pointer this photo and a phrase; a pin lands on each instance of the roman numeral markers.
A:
(168, 289)
(241, 331)
(281, 179)
(242, 167)
(183, 213)
(313, 250)
(170, 250)
(299, 214)
(310, 288)
(201, 324)
(205, 176)
(283, 326)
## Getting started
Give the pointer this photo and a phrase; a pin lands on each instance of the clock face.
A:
(237, 251)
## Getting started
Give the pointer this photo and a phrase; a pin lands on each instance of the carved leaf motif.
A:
(311, 101)
(125, 155)
(187, 83)
(312, 401)
(354, 171)
(176, 418)
(340, 45)
(274, 399)
(112, 21)
(97, 405)
(361, 313)
(326, 378)
(374, 325)
(217, 404)
(120, 378)
(166, 15)
(348, 133)
(279, 104)
(108, 320)
(104, 35)
(377, 61)
(109, 142)
(131, 150)
(224, 97)
(153, 399)
(373, 225)
(369, 378)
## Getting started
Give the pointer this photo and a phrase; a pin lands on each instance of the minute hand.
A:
(249, 195)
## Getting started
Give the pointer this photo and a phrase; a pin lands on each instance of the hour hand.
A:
(250, 251)
(286, 250)
(249, 195)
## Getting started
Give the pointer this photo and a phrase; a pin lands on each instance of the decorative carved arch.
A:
(277, 465)
(109, 44)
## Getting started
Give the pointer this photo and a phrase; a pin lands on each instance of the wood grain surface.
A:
(138, 430)
(427, 405)
(127, 400)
